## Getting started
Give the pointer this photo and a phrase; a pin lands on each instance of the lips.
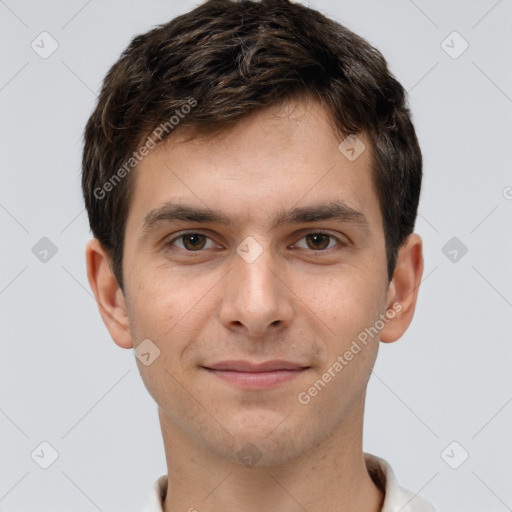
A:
(256, 376)
(246, 366)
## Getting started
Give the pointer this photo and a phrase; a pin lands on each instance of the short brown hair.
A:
(231, 58)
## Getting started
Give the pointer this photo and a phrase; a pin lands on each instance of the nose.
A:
(256, 299)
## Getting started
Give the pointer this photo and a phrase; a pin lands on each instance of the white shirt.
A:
(396, 499)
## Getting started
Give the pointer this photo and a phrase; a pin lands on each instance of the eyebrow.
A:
(335, 210)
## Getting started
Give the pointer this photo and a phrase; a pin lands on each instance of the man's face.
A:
(256, 291)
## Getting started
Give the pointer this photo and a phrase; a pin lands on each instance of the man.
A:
(252, 177)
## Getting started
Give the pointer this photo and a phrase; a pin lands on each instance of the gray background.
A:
(64, 381)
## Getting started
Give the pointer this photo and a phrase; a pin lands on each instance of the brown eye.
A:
(318, 240)
(192, 242)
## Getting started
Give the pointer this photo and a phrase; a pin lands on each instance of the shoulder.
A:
(396, 498)
(157, 495)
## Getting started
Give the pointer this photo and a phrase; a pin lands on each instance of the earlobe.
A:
(403, 289)
(109, 296)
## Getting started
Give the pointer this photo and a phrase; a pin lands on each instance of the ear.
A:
(403, 289)
(109, 296)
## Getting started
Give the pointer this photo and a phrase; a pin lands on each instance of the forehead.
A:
(270, 162)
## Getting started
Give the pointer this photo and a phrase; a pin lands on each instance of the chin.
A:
(261, 446)
(264, 453)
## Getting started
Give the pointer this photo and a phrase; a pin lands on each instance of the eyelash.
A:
(184, 234)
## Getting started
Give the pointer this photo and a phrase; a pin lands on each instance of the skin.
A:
(295, 302)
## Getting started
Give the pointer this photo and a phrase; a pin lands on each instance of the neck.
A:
(331, 476)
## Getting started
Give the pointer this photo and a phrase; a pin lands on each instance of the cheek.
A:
(344, 304)
(347, 308)
(169, 307)
(162, 311)
(348, 311)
